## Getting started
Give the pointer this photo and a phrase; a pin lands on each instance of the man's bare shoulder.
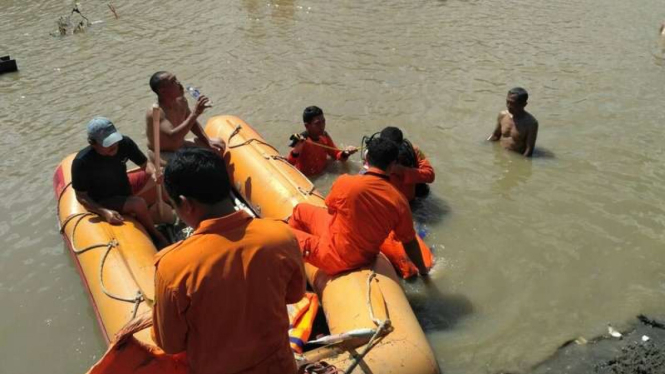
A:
(148, 113)
(529, 119)
(503, 114)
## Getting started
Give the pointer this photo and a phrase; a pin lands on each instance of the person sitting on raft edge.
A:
(361, 212)
(221, 294)
(176, 119)
(413, 171)
(101, 183)
(312, 147)
(516, 129)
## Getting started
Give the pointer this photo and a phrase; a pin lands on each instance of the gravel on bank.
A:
(639, 351)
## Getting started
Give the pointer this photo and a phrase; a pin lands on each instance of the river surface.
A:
(530, 253)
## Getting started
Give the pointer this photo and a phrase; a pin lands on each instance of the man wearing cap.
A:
(100, 180)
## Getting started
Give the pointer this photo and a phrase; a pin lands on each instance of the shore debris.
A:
(613, 332)
(115, 14)
(7, 65)
(66, 26)
(581, 341)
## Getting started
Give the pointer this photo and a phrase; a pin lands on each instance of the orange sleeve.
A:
(169, 329)
(295, 289)
(424, 173)
(334, 153)
(404, 231)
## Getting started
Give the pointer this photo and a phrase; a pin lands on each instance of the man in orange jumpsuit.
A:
(413, 171)
(361, 211)
(221, 294)
(313, 147)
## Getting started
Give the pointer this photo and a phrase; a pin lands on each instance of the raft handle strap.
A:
(236, 131)
(137, 299)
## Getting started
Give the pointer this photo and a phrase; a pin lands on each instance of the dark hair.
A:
(199, 174)
(381, 152)
(310, 113)
(520, 94)
(156, 81)
(392, 133)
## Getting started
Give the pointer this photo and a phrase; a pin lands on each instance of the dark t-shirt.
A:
(105, 176)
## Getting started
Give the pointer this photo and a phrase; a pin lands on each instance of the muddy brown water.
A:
(530, 253)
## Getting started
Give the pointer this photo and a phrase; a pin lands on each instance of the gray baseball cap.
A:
(102, 131)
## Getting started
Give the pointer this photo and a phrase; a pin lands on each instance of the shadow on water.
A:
(434, 309)
(429, 210)
(540, 152)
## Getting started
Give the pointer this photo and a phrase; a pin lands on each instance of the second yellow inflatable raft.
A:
(366, 298)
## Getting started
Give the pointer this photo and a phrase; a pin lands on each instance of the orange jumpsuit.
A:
(221, 296)
(406, 181)
(313, 159)
(361, 211)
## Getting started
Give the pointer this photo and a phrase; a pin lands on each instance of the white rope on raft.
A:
(383, 326)
(139, 297)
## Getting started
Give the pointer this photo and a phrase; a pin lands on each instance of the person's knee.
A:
(136, 205)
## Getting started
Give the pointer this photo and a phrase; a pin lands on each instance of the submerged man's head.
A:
(392, 133)
(516, 100)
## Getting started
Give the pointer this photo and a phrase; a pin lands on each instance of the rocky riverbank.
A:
(641, 350)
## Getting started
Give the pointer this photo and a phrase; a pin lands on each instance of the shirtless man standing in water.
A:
(516, 128)
(177, 120)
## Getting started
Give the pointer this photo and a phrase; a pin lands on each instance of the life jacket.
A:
(301, 320)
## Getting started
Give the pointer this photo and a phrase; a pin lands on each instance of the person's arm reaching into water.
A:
(412, 250)
(405, 233)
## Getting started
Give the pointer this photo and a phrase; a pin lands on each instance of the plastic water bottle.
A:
(196, 93)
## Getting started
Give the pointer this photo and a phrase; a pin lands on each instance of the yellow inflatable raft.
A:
(271, 184)
(117, 268)
(115, 262)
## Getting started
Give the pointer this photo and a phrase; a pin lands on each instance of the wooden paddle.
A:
(164, 212)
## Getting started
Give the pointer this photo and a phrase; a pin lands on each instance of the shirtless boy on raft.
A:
(177, 120)
(516, 129)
